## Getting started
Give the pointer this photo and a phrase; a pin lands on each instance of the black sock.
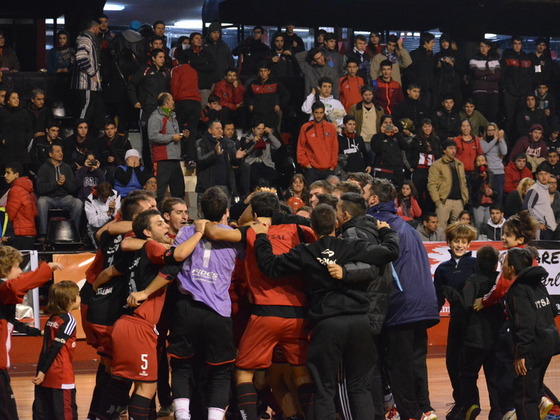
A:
(101, 380)
(247, 400)
(306, 393)
(139, 407)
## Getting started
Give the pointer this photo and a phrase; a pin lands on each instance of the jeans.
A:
(72, 204)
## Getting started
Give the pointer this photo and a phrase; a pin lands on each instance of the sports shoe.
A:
(473, 412)
(165, 410)
(510, 415)
(545, 406)
(429, 415)
(392, 414)
(453, 413)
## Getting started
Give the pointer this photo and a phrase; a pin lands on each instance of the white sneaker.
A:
(545, 406)
(510, 415)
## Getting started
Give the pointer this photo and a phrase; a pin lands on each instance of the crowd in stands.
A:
(317, 149)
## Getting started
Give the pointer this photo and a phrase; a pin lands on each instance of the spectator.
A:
(131, 176)
(231, 93)
(144, 88)
(537, 201)
(297, 189)
(547, 102)
(219, 50)
(447, 185)
(368, 116)
(412, 107)
(165, 141)
(360, 54)
(482, 190)
(514, 200)
(425, 149)
(86, 78)
(553, 159)
(533, 146)
(317, 188)
(56, 186)
(265, 97)
(113, 147)
(215, 157)
(101, 206)
(293, 41)
(422, 68)
(396, 54)
(352, 149)
(529, 115)
(184, 88)
(449, 70)
(203, 62)
(518, 75)
(492, 229)
(42, 145)
(485, 74)
(429, 230)
(374, 46)
(333, 57)
(446, 120)
(477, 120)
(334, 110)
(388, 146)
(89, 176)
(39, 113)
(554, 200)
(544, 64)
(406, 202)
(515, 171)
(16, 131)
(79, 145)
(388, 92)
(61, 57)
(8, 59)
(468, 146)
(552, 141)
(313, 65)
(251, 52)
(350, 86)
(494, 146)
(465, 217)
(258, 148)
(213, 111)
(317, 147)
(21, 206)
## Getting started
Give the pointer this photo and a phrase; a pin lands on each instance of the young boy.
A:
(350, 86)
(453, 274)
(12, 291)
(482, 330)
(535, 336)
(21, 206)
(492, 230)
(388, 92)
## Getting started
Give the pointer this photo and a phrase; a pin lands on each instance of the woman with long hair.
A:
(514, 200)
(407, 203)
(297, 188)
(16, 131)
(62, 56)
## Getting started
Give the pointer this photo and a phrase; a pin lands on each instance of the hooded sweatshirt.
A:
(22, 207)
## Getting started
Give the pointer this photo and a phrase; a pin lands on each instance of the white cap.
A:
(130, 153)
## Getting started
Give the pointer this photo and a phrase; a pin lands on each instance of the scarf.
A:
(196, 50)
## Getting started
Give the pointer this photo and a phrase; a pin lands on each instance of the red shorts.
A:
(91, 339)
(101, 338)
(263, 333)
(135, 349)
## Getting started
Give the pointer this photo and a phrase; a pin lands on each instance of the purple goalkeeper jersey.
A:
(206, 273)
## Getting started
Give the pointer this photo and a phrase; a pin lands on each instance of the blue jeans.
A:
(72, 204)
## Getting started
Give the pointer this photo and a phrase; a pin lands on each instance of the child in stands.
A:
(55, 390)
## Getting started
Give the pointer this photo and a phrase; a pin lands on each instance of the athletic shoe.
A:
(473, 412)
(510, 415)
(429, 415)
(392, 414)
(165, 410)
(545, 406)
(453, 413)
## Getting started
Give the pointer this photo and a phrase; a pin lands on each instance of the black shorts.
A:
(55, 404)
(8, 408)
(195, 329)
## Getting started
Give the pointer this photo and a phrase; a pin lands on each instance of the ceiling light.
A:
(188, 24)
(113, 7)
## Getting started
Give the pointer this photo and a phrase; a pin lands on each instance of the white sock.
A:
(181, 408)
(215, 413)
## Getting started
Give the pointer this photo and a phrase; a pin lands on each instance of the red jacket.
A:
(12, 293)
(388, 95)
(350, 89)
(468, 151)
(513, 176)
(229, 96)
(184, 83)
(318, 145)
(22, 207)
